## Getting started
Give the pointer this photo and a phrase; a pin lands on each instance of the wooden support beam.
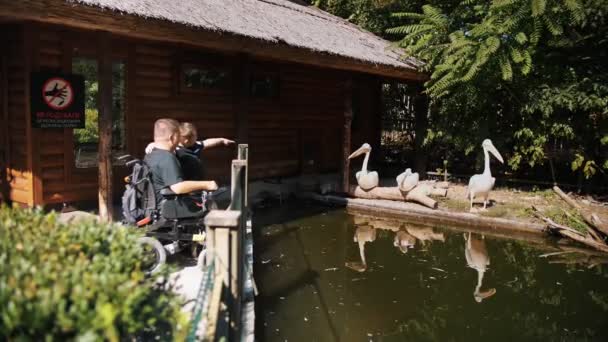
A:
(67, 52)
(105, 128)
(421, 113)
(31, 63)
(131, 103)
(346, 134)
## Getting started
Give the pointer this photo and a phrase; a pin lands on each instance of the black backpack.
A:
(139, 199)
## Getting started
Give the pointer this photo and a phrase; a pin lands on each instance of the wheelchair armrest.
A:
(167, 193)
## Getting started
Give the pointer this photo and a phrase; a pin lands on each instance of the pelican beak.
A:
(363, 149)
(495, 152)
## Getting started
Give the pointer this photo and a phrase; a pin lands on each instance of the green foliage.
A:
(78, 281)
(90, 132)
(567, 218)
(467, 44)
(529, 74)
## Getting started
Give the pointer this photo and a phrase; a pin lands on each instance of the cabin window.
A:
(264, 85)
(86, 140)
(198, 78)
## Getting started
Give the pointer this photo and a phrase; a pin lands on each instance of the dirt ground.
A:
(517, 204)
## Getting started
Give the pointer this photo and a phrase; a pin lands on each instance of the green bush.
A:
(79, 281)
(90, 132)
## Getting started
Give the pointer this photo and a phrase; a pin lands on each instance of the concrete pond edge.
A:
(420, 214)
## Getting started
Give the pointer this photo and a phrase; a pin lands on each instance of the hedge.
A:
(79, 281)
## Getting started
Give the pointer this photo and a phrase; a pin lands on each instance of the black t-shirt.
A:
(165, 168)
(191, 161)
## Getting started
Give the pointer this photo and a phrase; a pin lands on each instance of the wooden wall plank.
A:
(18, 171)
(309, 111)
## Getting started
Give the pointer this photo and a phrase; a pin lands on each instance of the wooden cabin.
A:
(286, 78)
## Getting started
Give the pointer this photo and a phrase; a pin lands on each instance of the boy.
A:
(189, 151)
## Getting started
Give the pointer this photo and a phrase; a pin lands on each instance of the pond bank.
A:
(419, 214)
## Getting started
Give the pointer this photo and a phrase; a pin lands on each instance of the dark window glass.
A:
(264, 86)
(204, 78)
(86, 139)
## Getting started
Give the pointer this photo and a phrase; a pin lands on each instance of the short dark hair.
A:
(165, 128)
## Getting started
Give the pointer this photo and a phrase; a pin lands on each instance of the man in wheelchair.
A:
(167, 174)
(170, 209)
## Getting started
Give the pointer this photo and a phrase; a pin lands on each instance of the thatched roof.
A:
(275, 21)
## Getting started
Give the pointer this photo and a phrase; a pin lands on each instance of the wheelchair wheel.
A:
(154, 254)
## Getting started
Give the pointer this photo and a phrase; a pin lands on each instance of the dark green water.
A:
(314, 286)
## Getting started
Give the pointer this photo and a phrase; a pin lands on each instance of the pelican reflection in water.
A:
(404, 239)
(477, 257)
(363, 234)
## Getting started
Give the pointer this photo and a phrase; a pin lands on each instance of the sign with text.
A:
(57, 100)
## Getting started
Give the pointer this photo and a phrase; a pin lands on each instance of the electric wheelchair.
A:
(172, 225)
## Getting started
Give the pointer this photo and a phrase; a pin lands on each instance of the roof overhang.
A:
(93, 18)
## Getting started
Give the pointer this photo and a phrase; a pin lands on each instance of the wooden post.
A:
(421, 114)
(346, 134)
(239, 188)
(31, 63)
(105, 128)
(225, 225)
(67, 55)
(243, 154)
(376, 123)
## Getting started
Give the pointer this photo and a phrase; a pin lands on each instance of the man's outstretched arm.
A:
(185, 187)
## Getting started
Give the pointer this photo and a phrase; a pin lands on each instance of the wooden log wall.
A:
(367, 116)
(298, 130)
(18, 171)
(158, 94)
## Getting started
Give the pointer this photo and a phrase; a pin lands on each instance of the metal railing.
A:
(218, 315)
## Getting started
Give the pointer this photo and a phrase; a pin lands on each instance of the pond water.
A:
(328, 275)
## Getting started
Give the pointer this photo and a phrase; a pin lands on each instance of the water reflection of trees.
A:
(548, 291)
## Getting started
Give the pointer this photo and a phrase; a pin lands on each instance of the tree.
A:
(527, 73)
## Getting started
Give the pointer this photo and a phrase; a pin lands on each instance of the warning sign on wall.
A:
(57, 100)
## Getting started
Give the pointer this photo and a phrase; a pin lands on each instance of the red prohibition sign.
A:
(57, 93)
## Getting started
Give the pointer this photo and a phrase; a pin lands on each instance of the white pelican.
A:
(477, 258)
(480, 185)
(407, 180)
(367, 180)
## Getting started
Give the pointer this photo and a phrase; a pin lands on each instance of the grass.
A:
(558, 214)
(509, 210)
(454, 204)
(518, 205)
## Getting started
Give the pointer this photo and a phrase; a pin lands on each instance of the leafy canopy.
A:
(528, 73)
